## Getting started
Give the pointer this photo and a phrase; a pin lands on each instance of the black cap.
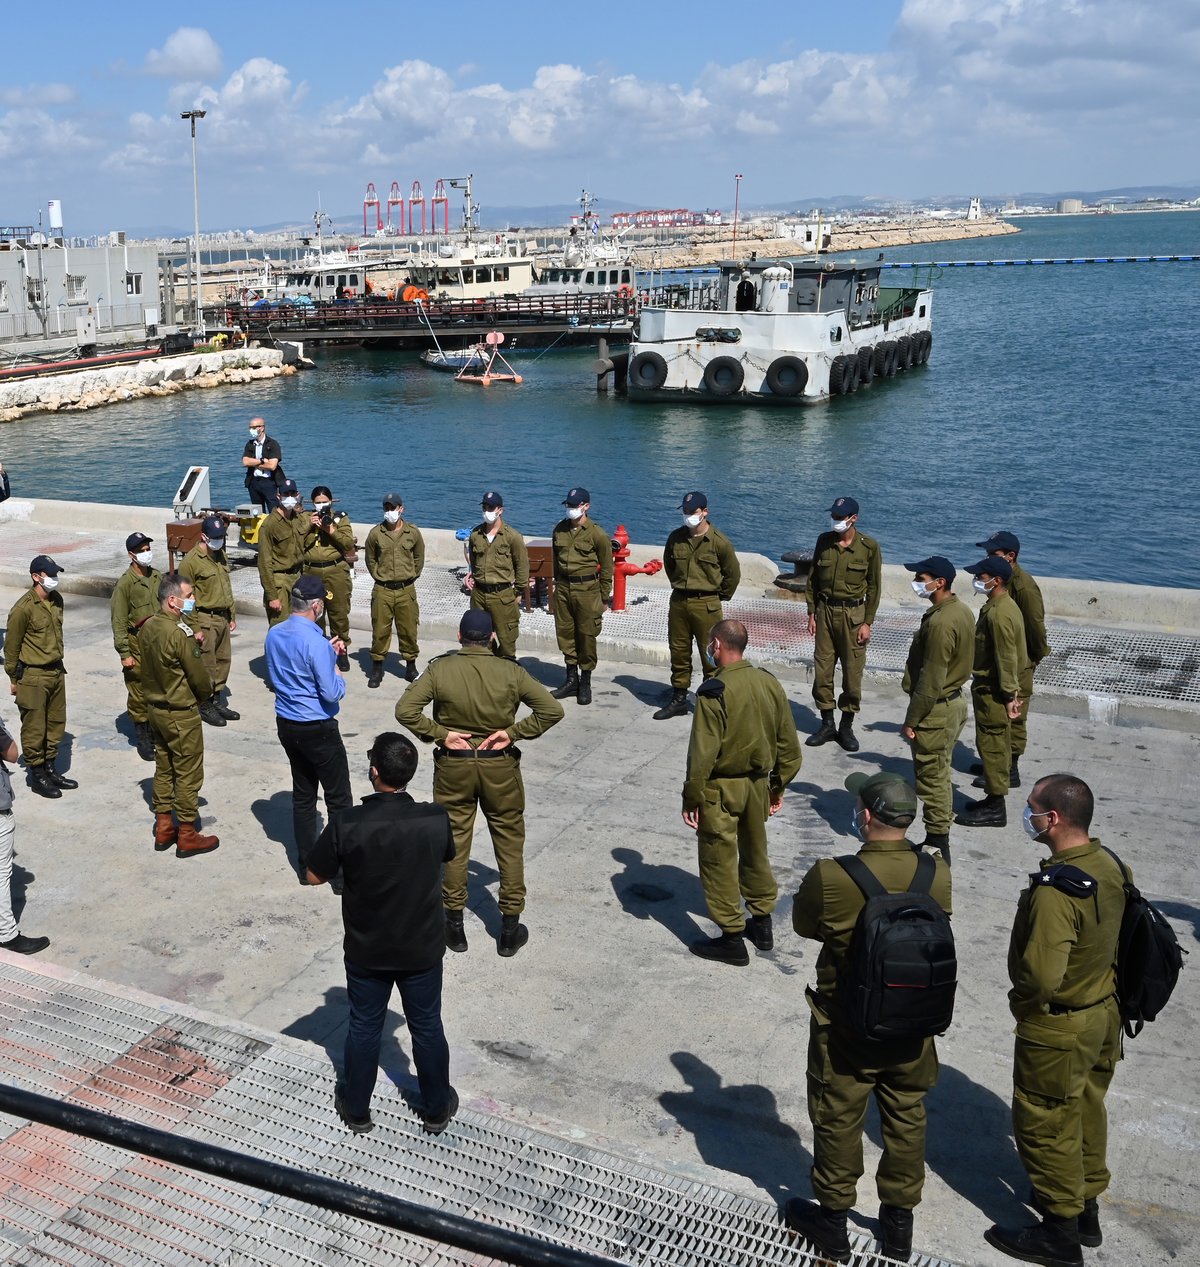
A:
(492, 500)
(44, 563)
(136, 540)
(577, 496)
(993, 565)
(309, 587)
(693, 502)
(887, 796)
(392, 499)
(935, 565)
(1001, 541)
(843, 508)
(475, 624)
(287, 489)
(213, 526)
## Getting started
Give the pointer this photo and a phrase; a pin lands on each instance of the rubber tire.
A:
(879, 360)
(714, 373)
(904, 353)
(928, 352)
(866, 365)
(787, 376)
(647, 371)
(837, 368)
(850, 379)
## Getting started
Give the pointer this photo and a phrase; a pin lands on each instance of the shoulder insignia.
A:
(1066, 878)
(712, 687)
(443, 656)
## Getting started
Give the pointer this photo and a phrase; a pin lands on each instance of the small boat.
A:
(452, 362)
(481, 368)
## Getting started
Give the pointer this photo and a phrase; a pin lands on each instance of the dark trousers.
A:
(318, 759)
(421, 998)
(262, 494)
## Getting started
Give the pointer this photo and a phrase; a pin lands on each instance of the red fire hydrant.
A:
(623, 568)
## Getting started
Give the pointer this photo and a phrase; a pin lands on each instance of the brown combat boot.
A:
(165, 831)
(191, 842)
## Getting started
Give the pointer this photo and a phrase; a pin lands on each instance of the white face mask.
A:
(391, 516)
(144, 557)
(981, 587)
(854, 825)
(254, 435)
(490, 516)
(49, 583)
(289, 503)
(840, 525)
(1027, 822)
(574, 512)
(923, 589)
(692, 521)
(215, 543)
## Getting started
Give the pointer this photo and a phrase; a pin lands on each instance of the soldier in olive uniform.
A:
(134, 601)
(174, 681)
(995, 688)
(33, 660)
(1068, 1040)
(206, 566)
(328, 547)
(499, 565)
(844, 1069)
(938, 667)
(704, 572)
(395, 555)
(583, 581)
(281, 552)
(742, 753)
(843, 596)
(475, 697)
(1027, 595)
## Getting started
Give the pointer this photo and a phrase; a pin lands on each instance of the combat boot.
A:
(728, 948)
(825, 732)
(456, 937)
(822, 1228)
(165, 832)
(376, 678)
(895, 1232)
(209, 714)
(676, 706)
(145, 740)
(343, 662)
(939, 841)
(59, 780)
(990, 812)
(585, 687)
(513, 935)
(570, 684)
(1054, 1242)
(191, 842)
(759, 931)
(1089, 1220)
(1014, 775)
(845, 735)
(41, 783)
(223, 709)
(410, 671)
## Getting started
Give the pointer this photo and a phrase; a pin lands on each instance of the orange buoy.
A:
(409, 294)
(625, 291)
(421, 296)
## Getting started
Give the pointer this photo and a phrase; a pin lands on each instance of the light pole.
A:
(192, 116)
(737, 193)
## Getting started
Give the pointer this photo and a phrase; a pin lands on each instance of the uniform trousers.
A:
(505, 611)
(1018, 728)
(844, 1071)
(578, 615)
(42, 703)
(339, 584)
(993, 738)
(8, 839)
(280, 588)
(732, 844)
(493, 784)
(178, 761)
(216, 650)
(421, 998)
(399, 609)
(135, 703)
(318, 759)
(932, 750)
(689, 621)
(837, 643)
(1062, 1066)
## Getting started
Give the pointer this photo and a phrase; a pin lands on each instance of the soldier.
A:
(33, 660)
(475, 696)
(281, 552)
(939, 664)
(206, 566)
(583, 581)
(1027, 595)
(843, 597)
(261, 458)
(1068, 1040)
(844, 1069)
(995, 688)
(174, 681)
(134, 601)
(328, 548)
(742, 753)
(499, 572)
(704, 572)
(395, 559)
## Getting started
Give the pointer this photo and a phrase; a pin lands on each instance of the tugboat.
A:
(776, 332)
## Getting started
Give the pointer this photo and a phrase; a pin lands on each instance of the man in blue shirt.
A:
(302, 666)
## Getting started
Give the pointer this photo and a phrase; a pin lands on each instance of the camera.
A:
(325, 515)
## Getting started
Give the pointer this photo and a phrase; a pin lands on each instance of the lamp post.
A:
(737, 192)
(192, 116)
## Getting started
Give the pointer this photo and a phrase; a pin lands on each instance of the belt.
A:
(496, 587)
(844, 602)
(510, 751)
(52, 664)
(1061, 1009)
(287, 571)
(171, 708)
(575, 580)
(695, 594)
(215, 611)
(945, 699)
(311, 563)
(291, 721)
(397, 585)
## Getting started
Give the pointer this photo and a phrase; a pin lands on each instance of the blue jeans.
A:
(421, 999)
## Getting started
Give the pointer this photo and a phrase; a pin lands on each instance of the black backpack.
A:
(899, 976)
(1149, 958)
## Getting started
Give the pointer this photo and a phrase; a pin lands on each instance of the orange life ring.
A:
(422, 296)
(409, 294)
(625, 292)
(348, 293)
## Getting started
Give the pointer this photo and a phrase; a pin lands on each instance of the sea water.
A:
(1059, 403)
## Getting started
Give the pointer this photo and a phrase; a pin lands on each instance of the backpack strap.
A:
(1124, 869)
(862, 875)
(922, 881)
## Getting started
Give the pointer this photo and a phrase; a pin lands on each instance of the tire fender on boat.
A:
(904, 353)
(866, 364)
(724, 376)
(879, 360)
(850, 378)
(648, 371)
(837, 368)
(787, 376)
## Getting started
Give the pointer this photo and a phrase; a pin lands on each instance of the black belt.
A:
(1061, 1009)
(397, 585)
(53, 664)
(286, 572)
(510, 751)
(311, 563)
(945, 699)
(695, 593)
(291, 721)
(575, 580)
(844, 602)
(171, 708)
(215, 611)
(496, 587)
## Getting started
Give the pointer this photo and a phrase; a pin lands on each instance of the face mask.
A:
(840, 525)
(854, 827)
(918, 588)
(708, 655)
(188, 605)
(490, 516)
(981, 587)
(144, 557)
(574, 512)
(289, 503)
(1027, 822)
(215, 543)
(391, 516)
(253, 434)
(49, 583)
(692, 521)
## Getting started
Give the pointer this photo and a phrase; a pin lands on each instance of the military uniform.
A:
(34, 638)
(842, 595)
(477, 693)
(845, 1069)
(743, 750)
(325, 551)
(134, 601)
(1068, 1038)
(939, 664)
(1000, 660)
(1027, 595)
(501, 571)
(583, 581)
(174, 680)
(208, 573)
(704, 573)
(280, 560)
(395, 559)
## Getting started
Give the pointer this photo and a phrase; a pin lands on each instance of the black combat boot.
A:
(759, 931)
(824, 1229)
(990, 812)
(845, 735)
(825, 732)
(40, 783)
(59, 780)
(895, 1232)
(1089, 1220)
(728, 948)
(410, 671)
(1054, 1242)
(940, 841)
(224, 710)
(456, 937)
(676, 706)
(570, 686)
(343, 662)
(513, 935)
(145, 740)
(376, 678)
(585, 687)
(209, 714)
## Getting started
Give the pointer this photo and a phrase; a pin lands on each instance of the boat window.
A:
(922, 311)
(317, 281)
(501, 273)
(625, 275)
(589, 280)
(353, 279)
(444, 278)
(483, 274)
(576, 275)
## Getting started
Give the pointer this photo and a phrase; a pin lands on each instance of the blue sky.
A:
(655, 105)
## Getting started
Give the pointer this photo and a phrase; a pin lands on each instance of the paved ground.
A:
(605, 1029)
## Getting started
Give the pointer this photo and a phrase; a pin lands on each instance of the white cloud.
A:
(34, 95)
(189, 53)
